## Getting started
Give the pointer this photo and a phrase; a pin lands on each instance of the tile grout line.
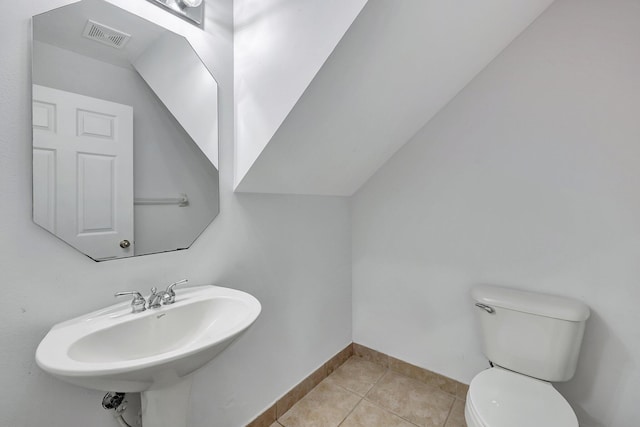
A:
(377, 405)
(361, 397)
(351, 411)
(446, 420)
(350, 391)
(391, 411)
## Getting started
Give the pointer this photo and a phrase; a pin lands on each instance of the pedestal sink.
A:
(152, 352)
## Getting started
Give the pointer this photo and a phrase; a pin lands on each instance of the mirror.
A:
(125, 133)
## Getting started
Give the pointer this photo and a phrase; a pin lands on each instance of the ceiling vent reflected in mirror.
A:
(105, 35)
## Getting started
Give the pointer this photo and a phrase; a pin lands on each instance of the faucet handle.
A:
(170, 295)
(173, 285)
(137, 304)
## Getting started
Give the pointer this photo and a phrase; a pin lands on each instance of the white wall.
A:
(529, 178)
(264, 245)
(279, 47)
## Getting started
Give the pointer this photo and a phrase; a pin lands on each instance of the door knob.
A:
(125, 244)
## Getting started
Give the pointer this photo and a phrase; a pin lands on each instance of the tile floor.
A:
(361, 393)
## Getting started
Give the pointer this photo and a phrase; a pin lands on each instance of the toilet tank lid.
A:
(530, 302)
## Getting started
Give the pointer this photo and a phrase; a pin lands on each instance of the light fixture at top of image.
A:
(191, 3)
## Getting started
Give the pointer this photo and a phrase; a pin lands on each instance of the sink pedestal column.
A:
(167, 406)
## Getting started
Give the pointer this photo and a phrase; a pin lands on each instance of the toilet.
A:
(531, 340)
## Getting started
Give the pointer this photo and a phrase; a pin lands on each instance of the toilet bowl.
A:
(502, 398)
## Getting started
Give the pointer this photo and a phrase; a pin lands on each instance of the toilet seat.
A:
(501, 398)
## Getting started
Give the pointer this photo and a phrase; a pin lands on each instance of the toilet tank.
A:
(534, 334)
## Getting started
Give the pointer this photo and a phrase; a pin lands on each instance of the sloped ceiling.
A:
(398, 64)
(279, 46)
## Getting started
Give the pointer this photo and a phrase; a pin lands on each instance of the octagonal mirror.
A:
(125, 133)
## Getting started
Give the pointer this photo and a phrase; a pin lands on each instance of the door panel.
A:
(95, 124)
(96, 204)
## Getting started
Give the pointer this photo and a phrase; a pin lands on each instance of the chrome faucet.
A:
(155, 300)
(168, 297)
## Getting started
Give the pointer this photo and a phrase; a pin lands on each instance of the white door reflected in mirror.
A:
(83, 170)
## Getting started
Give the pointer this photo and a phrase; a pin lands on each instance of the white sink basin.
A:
(116, 350)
